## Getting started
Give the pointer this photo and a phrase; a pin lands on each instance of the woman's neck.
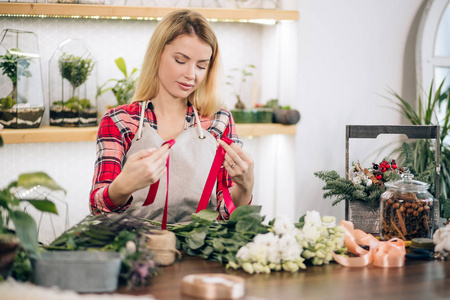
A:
(169, 106)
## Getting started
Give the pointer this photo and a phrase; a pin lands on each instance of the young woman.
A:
(177, 98)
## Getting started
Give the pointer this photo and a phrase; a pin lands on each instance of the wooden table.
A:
(423, 280)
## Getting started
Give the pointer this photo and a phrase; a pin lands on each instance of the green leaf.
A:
(31, 180)
(26, 230)
(196, 240)
(249, 223)
(44, 205)
(243, 210)
(120, 62)
(207, 252)
(218, 246)
(206, 214)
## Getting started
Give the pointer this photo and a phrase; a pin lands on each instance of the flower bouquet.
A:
(290, 247)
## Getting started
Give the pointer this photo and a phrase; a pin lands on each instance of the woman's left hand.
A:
(239, 166)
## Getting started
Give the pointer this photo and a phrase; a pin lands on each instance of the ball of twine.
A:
(163, 244)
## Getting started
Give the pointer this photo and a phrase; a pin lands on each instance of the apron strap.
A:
(210, 181)
(154, 189)
(141, 120)
(199, 126)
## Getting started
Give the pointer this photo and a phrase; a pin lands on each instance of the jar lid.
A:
(407, 184)
(422, 243)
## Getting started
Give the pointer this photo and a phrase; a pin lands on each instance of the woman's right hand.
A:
(141, 169)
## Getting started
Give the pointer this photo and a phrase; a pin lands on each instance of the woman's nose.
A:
(190, 72)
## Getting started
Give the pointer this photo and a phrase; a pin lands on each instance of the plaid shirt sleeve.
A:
(116, 131)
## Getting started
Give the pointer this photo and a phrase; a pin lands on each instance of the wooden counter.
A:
(424, 280)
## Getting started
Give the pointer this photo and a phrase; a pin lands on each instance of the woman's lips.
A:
(185, 86)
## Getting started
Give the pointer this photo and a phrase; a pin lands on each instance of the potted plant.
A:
(123, 89)
(422, 154)
(22, 105)
(283, 114)
(236, 79)
(24, 231)
(72, 86)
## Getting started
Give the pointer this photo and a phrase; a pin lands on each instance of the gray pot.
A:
(80, 271)
(365, 216)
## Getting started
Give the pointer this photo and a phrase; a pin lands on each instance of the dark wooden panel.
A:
(411, 131)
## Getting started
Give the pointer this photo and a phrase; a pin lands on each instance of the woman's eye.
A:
(201, 67)
(180, 62)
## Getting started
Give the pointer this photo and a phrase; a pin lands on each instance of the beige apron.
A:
(191, 158)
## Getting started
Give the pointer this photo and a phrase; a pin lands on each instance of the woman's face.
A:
(183, 66)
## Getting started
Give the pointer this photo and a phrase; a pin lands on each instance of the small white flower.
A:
(312, 218)
(369, 182)
(329, 221)
(357, 180)
(248, 267)
(130, 247)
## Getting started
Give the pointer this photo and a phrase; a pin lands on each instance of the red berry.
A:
(394, 166)
(378, 176)
(387, 166)
(383, 169)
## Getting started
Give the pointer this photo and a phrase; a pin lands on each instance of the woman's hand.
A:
(141, 169)
(239, 166)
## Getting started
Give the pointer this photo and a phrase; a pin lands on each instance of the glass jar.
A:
(406, 209)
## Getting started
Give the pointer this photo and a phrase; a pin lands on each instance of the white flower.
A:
(312, 218)
(243, 253)
(248, 267)
(441, 238)
(329, 221)
(130, 247)
(258, 252)
(290, 266)
(267, 239)
(369, 182)
(282, 225)
(357, 180)
(310, 233)
(289, 248)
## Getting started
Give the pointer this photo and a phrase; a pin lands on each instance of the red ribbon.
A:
(210, 181)
(382, 254)
(209, 185)
(154, 189)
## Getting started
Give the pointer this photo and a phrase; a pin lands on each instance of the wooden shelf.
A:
(54, 134)
(138, 12)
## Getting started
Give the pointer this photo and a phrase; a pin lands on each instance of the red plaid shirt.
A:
(116, 131)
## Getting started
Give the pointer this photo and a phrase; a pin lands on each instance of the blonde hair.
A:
(206, 98)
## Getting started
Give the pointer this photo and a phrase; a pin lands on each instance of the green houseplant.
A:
(422, 155)
(75, 111)
(16, 225)
(15, 109)
(237, 79)
(14, 65)
(124, 88)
